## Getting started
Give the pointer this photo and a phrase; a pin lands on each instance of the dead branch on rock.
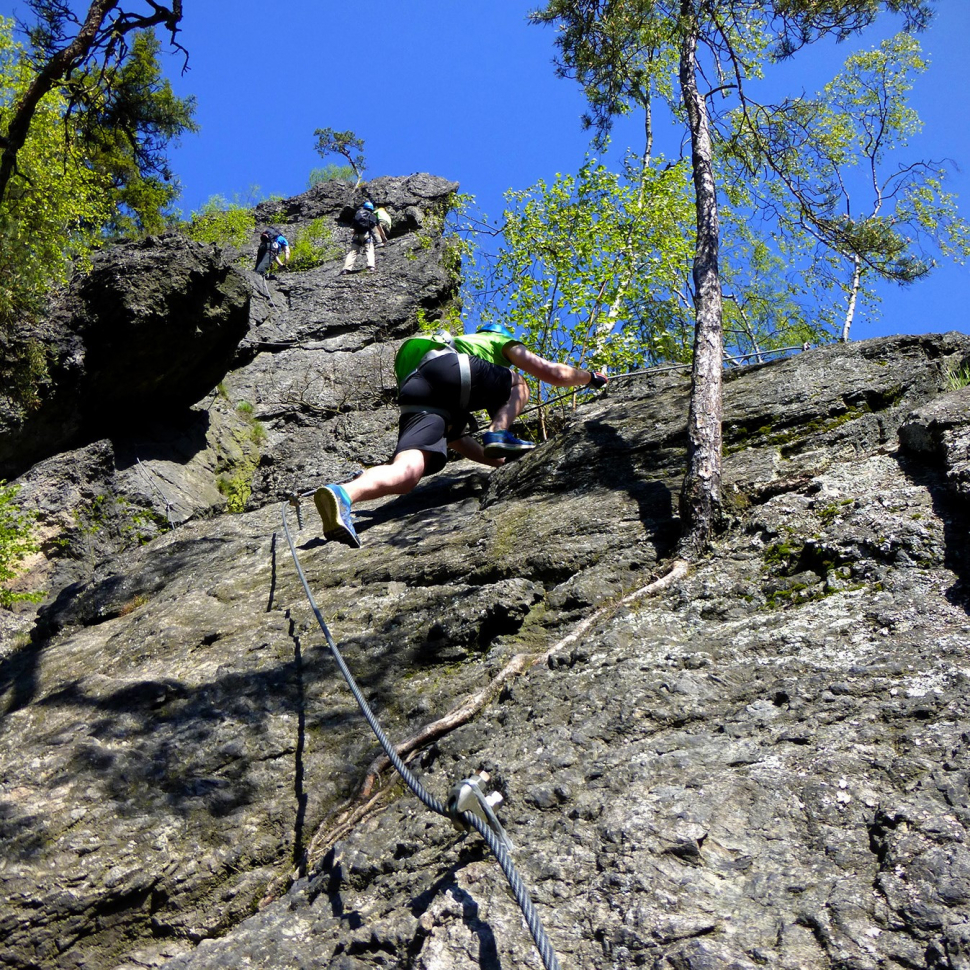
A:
(366, 800)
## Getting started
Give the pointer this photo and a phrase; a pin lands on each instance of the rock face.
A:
(762, 763)
(150, 330)
(301, 363)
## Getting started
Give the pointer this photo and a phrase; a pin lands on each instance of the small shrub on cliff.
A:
(236, 489)
(222, 222)
(16, 543)
(957, 376)
(313, 246)
(331, 173)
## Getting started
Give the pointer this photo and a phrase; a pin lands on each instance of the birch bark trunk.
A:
(700, 499)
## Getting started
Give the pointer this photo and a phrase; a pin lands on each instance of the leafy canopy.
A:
(828, 176)
(593, 255)
(81, 174)
(52, 213)
(125, 127)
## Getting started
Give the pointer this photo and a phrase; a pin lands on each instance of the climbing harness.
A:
(467, 806)
(464, 373)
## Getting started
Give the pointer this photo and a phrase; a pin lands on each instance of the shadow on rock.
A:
(951, 509)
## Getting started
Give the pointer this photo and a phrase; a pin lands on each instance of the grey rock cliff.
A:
(763, 763)
(289, 394)
(150, 329)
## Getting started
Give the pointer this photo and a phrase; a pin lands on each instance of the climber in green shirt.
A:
(441, 380)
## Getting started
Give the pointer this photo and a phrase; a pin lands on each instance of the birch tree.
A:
(592, 252)
(609, 46)
(831, 174)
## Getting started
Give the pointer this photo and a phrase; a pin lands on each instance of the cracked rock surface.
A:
(763, 765)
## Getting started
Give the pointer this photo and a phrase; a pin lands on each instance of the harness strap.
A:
(424, 409)
(465, 370)
(464, 373)
(431, 354)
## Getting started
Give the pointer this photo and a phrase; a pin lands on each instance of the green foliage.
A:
(766, 303)
(222, 222)
(23, 369)
(345, 143)
(51, 213)
(236, 489)
(623, 54)
(800, 155)
(241, 458)
(99, 169)
(125, 121)
(844, 205)
(255, 432)
(16, 543)
(140, 525)
(592, 267)
(448, 319)
(313, 246)
(331, 173)
(957, 376)
(93, 517)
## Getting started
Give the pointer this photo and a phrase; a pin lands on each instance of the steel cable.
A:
(519, 889)
(643, 372)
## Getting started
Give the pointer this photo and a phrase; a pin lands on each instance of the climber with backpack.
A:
(441, 380)
(273, 247)
(364, 224)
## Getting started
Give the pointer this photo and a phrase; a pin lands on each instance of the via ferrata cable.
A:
(495, 840)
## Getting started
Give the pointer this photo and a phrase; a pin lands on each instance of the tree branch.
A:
(92, 38)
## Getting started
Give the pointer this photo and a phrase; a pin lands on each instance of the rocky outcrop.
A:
(150, 330)
(302, 360)
(763, 763)
(939, 432)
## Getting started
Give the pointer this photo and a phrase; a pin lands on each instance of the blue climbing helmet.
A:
(496, 328)
(369, 205)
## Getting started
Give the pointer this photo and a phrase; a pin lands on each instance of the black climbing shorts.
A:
(437, 384)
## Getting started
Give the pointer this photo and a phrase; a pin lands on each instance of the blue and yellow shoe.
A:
(333, 504)
(503, 444)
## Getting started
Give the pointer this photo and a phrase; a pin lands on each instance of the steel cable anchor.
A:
(467, 796)
(294, 499)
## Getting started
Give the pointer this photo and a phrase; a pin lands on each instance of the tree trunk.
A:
(853, 297)
(700, 499)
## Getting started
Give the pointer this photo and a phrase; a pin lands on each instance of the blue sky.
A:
(467, 91)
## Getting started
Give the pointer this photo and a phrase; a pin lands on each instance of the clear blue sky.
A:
(467, 91)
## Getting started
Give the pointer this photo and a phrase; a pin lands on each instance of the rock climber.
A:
(441, 380)
(364, 225)
(273, 248)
